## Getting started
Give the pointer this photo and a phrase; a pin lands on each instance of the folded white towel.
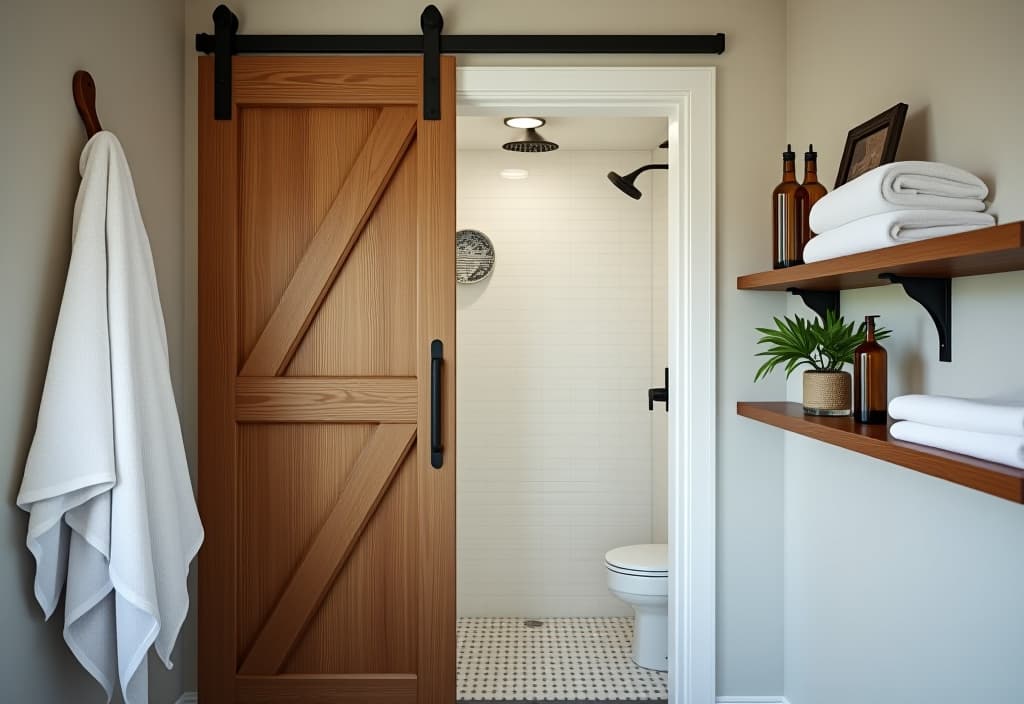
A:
(1004, 449)
(899, 186)
(998, 417)
(890, 229)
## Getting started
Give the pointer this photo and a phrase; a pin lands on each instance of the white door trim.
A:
(686, 96)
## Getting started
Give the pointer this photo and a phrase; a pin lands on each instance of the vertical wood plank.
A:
(218, 231)
(436, 320)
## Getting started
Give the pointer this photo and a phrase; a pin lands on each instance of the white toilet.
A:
(638, 574)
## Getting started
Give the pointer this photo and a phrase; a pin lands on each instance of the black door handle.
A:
(436, 443)
(658, 394)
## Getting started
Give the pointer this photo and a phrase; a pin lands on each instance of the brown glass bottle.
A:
(815, 191)
(870, 393)
(788, 202)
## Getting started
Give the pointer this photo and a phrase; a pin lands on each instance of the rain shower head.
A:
(531, 142)
(626, 183)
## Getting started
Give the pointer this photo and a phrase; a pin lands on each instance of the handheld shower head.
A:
(627, 184)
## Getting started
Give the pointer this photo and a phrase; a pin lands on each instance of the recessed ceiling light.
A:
(524, 122)
(514, 174)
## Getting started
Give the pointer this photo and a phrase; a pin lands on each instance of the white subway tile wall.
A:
(555, 354)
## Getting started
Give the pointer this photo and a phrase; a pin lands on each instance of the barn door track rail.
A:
(225, 42)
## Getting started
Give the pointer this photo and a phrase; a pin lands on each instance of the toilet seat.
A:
(649, 560)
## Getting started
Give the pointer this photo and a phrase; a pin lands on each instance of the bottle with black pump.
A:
(815, 190)
(789, 200)
(870, 393)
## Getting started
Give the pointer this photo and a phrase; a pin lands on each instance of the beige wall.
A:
(751, 111)
(902, 588)
(133, 49)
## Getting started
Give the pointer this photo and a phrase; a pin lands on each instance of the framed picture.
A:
(871, 144)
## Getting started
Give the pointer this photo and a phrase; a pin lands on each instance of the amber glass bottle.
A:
(815, 191)
(788, 202)
(870, 395)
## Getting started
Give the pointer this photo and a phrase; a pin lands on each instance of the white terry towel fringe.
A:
(1000, 418)
(890, 229)
(1004, 449)
(113, 520)
(902, 185)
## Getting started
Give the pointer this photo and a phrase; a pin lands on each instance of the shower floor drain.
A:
(532, 623)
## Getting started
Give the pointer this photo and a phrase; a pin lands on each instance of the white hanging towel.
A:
(112, 515)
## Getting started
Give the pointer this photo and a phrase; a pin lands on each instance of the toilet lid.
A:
(650, 559)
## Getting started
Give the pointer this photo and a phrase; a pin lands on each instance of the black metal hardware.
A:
(431, 23)
(226, 42)
(436, 438)
(936, 296)
(658, 394)
(819, 301)
(225, 25)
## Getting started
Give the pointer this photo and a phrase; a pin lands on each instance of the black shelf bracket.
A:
(226, 42)
(819, 301)
(936, 296)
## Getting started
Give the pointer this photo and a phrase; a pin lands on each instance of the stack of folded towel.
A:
(989, 430)
(894, 204)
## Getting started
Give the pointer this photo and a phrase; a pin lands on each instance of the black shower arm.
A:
(648, 167)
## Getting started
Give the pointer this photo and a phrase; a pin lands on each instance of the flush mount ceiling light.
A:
(514, 174)
(524, 123)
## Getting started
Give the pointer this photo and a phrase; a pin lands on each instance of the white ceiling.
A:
(568, 132)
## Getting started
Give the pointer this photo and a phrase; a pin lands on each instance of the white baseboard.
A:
(188, 698)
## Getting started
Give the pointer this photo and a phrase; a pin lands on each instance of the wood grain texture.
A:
(436, 320)
(316, 80)
(373, 600)
(217, 231)
(325, 400)
(987, 251)
(338, 232)
(290, 477)
(328, 689)
(875, 441)
(293, 164)
(368, 481)
(374, 300)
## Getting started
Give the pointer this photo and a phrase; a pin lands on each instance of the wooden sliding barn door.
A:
(326, 271)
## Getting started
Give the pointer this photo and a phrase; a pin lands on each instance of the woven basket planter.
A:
(827, 393)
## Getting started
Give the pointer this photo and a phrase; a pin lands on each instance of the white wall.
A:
(133, 50)
(555, 350)
(750, 90)
(902, 588)
(659, 348)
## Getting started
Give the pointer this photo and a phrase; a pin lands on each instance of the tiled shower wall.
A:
(556, 352)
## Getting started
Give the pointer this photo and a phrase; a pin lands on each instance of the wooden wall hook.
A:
(84, 90)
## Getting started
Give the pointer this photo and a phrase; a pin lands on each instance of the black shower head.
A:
(532, 143)
(626, 183)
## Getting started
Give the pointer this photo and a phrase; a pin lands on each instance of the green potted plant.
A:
(824, 346)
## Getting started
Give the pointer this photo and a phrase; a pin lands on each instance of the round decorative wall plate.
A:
(474, 256)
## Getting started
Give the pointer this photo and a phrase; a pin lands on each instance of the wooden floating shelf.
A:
(875, 441)
(991, 250)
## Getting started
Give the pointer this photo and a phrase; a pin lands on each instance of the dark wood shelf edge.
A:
(875, 441)
(990, 250)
